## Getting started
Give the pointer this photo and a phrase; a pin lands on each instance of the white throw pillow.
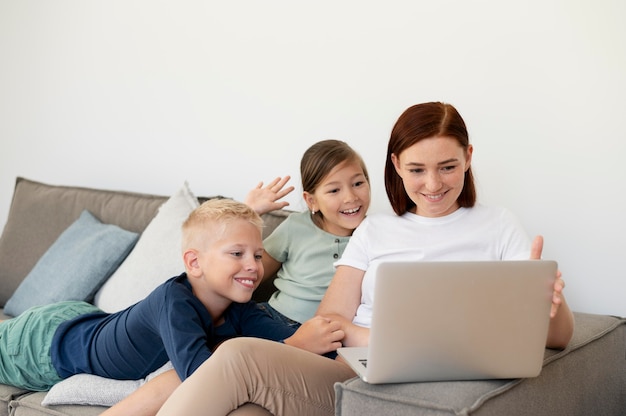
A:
(155, 258)
(93, 390)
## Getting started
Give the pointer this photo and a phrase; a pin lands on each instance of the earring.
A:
(312, 212)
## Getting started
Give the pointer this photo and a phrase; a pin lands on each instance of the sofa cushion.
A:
(30, 405)
(156, 257)
(8, 394)
(75, 266)
(39, 213)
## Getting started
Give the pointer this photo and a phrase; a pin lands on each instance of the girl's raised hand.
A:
(266, 199)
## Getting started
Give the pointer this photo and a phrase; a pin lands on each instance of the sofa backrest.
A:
(40, 212)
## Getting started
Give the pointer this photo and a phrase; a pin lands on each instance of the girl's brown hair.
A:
(319, 159)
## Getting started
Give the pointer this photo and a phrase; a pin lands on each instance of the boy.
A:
(182, 321)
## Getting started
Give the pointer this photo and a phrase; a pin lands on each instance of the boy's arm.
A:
(147, 399)
(318, 335)
(183, 325)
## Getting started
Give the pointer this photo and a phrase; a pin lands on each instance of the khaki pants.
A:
(246, 375)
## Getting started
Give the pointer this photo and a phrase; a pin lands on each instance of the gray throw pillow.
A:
(75, 266)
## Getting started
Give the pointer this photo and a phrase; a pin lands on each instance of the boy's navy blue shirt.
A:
(169, 324)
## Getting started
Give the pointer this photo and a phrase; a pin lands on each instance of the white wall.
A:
(141, 95)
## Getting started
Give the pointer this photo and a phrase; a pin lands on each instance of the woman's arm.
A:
(561, 326)
(341, 301)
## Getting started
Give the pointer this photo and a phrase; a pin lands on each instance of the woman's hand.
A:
(561, 317)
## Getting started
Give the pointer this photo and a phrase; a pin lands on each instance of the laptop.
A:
(465, 320)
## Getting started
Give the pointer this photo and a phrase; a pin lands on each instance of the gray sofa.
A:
(589, 377)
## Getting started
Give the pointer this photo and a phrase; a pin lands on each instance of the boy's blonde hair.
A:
(218, 213)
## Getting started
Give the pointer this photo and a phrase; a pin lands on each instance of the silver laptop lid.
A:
(459, 320)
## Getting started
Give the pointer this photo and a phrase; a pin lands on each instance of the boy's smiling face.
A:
(228, 268)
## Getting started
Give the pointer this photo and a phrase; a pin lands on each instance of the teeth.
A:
(351, 211)
(434, 196)
(247, 281)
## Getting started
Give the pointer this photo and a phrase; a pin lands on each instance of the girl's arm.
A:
(270, 265)
(341, 301)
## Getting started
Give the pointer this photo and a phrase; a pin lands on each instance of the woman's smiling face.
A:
(433, 174)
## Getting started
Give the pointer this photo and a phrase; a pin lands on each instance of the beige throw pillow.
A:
(155, 258)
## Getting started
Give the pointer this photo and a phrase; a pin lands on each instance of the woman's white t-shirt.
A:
(478, 233)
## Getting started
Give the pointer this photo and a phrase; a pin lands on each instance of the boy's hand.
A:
(265, 199)
(319, 335)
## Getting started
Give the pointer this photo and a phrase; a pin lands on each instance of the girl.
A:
(303, 248)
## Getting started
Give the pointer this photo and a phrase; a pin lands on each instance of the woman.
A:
(430, 186)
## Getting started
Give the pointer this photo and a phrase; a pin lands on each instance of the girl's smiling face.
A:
(433, 174)
(343, 197)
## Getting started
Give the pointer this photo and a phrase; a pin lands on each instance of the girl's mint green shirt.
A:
(307, 254)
